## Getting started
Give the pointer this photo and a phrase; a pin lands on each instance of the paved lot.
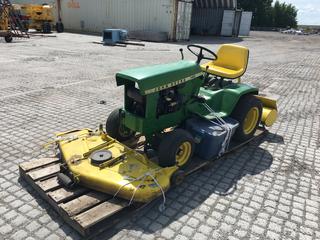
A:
(267, 190)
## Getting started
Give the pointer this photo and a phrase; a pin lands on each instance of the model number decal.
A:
(169, 85)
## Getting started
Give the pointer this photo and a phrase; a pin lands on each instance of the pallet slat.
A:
(38, 174)
(49, 184)
(36, 163)
(100, 212)
(62, 194)
(83, 203)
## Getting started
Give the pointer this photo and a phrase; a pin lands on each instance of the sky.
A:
(309, 11)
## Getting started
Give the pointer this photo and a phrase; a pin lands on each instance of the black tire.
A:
(171, 144)
(177, 178)
(8, 38)
(25, 26)
(240, 112)
(46, 27)
(115, 129)
(59, 27)
(65, 180)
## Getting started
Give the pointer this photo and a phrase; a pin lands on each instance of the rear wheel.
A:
(116, 129)
(59, 27)
(248, 113)
(8, 38)
(176, 148)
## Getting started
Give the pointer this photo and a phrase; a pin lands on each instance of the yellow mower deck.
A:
(87, 211)
(128, 174)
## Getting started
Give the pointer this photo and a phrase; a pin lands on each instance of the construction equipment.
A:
(39, 17)
(180, 109)
(10, 24)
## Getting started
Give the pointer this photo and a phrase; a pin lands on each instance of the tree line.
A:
(267, 14)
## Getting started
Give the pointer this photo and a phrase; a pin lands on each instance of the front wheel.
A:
(248, 113)
(8, 38)
(46, 27)
(116, 129)
(176, 149)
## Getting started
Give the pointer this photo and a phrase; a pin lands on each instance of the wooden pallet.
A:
(87, 211)
(83, 209)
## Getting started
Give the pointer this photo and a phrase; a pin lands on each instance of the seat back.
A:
(233, 57)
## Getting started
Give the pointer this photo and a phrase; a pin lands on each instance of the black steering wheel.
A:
(200, 56)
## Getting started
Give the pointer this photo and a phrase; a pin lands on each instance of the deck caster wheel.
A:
(177, 178)
(176, 149)
(65, 180)
(248, 113)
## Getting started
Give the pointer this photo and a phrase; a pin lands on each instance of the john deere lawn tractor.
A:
(181, 109)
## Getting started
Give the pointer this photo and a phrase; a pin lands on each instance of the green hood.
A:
(158, 77)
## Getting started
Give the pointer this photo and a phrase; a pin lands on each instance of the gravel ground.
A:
(267, 190)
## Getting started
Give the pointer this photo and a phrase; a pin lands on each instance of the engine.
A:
(137, 103)
(169, 101)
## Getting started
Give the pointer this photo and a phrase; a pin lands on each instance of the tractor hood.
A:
(158, 77)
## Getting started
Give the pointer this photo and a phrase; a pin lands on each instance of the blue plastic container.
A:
(209, 136)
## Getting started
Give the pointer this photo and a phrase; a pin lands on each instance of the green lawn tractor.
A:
(182, 109)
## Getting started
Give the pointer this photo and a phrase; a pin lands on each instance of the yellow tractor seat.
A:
(232, 62)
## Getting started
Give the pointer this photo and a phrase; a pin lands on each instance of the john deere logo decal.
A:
(172, 84)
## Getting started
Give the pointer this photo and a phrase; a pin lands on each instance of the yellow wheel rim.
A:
(251, 120)
(183, 153)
